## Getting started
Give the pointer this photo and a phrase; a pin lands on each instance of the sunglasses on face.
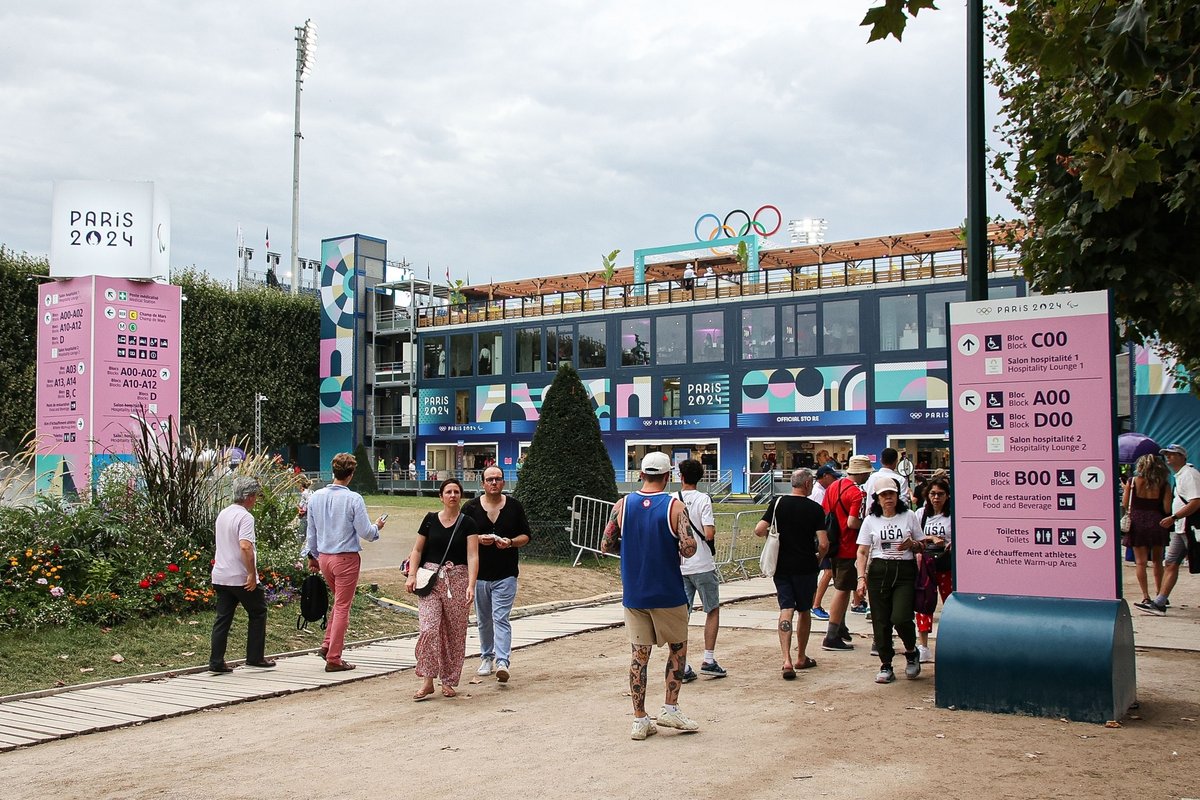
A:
(493, 480)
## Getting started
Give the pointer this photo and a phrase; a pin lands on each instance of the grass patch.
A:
(65, 656)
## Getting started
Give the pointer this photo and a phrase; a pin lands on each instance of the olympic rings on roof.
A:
(752, 223)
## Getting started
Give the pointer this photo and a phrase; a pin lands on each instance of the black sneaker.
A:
(861, 608)
(836, 644)
(713, 668)
(846, 637)
(689, 675)
(1151, 607)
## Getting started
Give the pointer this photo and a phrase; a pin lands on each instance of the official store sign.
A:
(1032, 420)
(119, 229)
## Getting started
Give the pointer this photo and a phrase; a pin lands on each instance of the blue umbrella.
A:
(1132, 446)
(235, 455)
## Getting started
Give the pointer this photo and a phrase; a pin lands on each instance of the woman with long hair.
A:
(891, 537)
(934, 517)
(448, 542)
(1147, 498)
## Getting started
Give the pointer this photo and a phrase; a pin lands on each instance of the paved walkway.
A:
(58, 714)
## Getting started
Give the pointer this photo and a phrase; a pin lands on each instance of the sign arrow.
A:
(1095, 537)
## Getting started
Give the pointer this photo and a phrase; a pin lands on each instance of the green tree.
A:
(238, 343)
(19, 274)
(891, 18)
(364, 481)
(1101, 127)
(567, 455)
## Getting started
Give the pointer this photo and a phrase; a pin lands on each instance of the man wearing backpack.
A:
(700, 570)
(843, 507)
(235, 579)
(337, 525)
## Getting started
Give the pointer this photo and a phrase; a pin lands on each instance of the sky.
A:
(492, 140)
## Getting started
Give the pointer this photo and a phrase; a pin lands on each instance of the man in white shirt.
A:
(1184, 510)
(700, 570)
(235, 579)
(889, 459)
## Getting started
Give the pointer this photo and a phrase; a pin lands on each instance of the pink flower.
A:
(42, 581)
(57, 591)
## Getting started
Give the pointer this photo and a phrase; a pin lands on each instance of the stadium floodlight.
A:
(306, 51)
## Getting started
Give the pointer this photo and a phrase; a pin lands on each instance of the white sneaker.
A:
(676, 719)
(926, 655)
(642, 727)
(502, 671)
(485, 667)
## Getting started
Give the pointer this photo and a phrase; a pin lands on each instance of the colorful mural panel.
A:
(338, 306)
(912, 391)
(804, 395)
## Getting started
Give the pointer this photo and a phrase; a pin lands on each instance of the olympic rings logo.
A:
(752, 223)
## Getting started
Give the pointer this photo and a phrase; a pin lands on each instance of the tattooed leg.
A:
(676, 661)
(785, 634)
(637, 678)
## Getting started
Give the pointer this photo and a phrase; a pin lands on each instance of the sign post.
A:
(1037, 624)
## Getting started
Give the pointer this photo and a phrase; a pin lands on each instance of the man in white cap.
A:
(654, 533)
(1183, 522)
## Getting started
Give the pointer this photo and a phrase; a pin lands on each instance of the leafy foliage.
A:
(18, 343)
(1102, 152)
(608, 266)
(891, 18)
(364, 480)
(239, 343)
(567, 456)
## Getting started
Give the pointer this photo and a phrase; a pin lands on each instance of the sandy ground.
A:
(560, 728)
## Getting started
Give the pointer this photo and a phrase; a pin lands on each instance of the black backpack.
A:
(314, 602)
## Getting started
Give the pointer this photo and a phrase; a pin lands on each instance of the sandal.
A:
(448, 691)
(809, 663)
(789, 674)
(423, 693)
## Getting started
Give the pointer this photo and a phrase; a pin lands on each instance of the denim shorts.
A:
(706, 584)
(796, 591)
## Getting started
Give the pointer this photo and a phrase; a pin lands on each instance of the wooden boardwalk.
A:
(87, 709)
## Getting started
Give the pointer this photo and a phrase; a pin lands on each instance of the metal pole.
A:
(977, 243)
(300, 44)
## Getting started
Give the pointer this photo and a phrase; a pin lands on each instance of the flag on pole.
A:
(268, 238)
(447, 274)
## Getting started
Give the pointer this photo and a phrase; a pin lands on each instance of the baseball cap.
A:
(886, 485)
(656, 464)
(826, 470)
(1177, 449)
(859, 465)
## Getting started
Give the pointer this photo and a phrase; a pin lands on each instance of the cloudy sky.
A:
(498, 140)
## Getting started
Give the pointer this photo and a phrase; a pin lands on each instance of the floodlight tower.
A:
(259, 399)
(306, 45)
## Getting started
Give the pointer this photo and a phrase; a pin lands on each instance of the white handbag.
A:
(770, 552)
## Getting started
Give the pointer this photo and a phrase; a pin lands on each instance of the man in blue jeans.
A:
(503, 529)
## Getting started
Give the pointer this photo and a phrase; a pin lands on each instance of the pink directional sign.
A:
(1032, 417)
(64, 410)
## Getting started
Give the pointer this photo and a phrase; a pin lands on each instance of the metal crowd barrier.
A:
(737, 546)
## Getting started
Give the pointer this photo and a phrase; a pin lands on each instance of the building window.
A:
(559, 347)
(670, 339)
(758, 333)
(435, 358)
(462, 355)
(593, 349)
(1006, 292)
(670, 397)
(529, 350)
(840, 327)
(800, 330)
(935, 315)
(462, 406)
(708, 336)
(898, 323)
(489, 359)
(635, 342)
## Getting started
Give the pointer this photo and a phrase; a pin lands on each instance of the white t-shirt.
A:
(882, 534)
(1187, 487)
(700, 511)
(936, 525)
(817, 495)
(234, 524)
(884, 472)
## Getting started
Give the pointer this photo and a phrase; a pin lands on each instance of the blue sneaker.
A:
(859, 609)
(820, 613)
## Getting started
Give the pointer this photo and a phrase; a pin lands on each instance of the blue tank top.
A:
(650, 554)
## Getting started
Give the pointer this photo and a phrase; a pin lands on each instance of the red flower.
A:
(158, 598)
(172, 568)
(159, 576)
(145, 584)
(56, 549)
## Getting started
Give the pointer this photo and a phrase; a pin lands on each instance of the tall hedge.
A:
(567, 456)
(238, 343)
(364, 479)
(18, 343)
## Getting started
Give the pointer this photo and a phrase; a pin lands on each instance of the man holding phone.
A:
(503, 529)
(337, 525)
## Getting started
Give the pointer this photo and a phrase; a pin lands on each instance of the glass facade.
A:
(593, 346)
(635, 342)
(670, 339)
(758, 333)
(898, 323)
(840, 327)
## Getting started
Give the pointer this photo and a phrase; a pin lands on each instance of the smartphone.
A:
(383, 518)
